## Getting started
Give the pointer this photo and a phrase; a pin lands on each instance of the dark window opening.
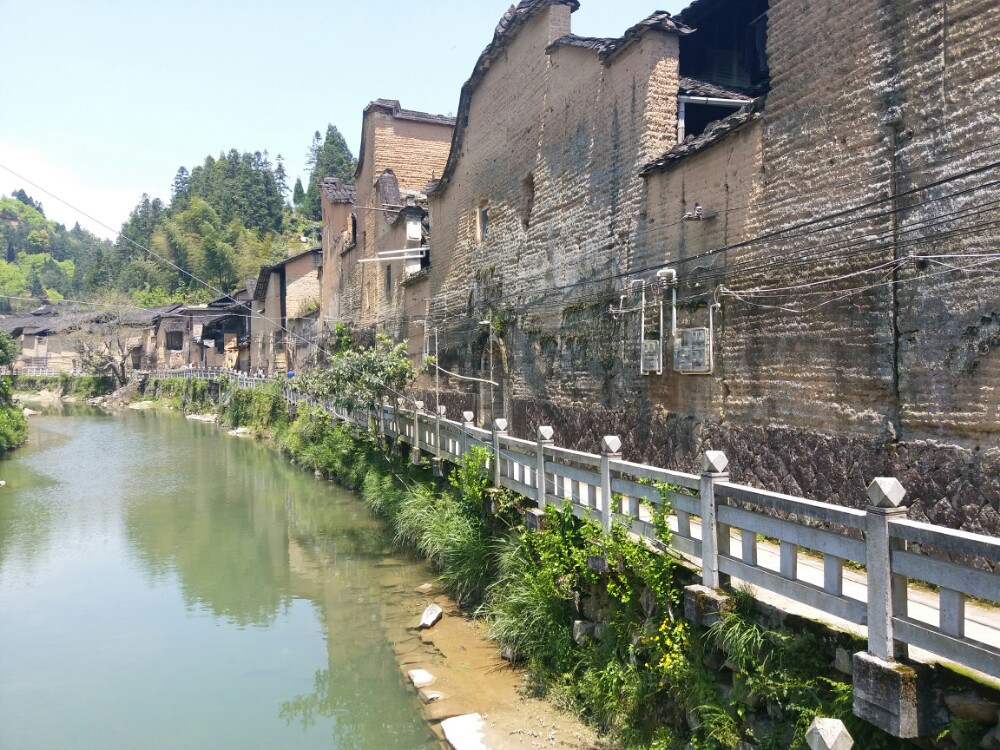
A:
(175, 340)
(354, 229)
(697, 117)
(729, 46)
(483, 223)
(388, 282)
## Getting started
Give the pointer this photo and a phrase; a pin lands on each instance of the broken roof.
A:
(607, 48)
(715, 132)
(392, 107)
(336, 191)
(387, 188)
(693, 87)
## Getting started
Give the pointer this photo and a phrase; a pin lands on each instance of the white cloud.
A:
(43, 179)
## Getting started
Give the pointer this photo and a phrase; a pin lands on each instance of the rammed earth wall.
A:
(870, 103)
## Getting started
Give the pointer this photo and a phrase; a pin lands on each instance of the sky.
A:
(103, 100)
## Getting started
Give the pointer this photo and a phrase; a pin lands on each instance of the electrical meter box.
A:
(651, 361)
(692, 352)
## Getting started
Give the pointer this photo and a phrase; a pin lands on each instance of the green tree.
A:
(27, 200)
(332, 158)
(298, 194)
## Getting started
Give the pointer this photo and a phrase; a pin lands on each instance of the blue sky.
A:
(103, 100)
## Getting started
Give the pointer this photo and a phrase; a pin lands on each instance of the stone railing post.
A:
(543, 437)
(828, 734)
(438, 416)
(418, 406)
(886, 590)
(499, 428)
(713, 469)
(611, 448)
(468, 422)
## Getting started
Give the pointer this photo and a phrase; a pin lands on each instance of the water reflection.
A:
(189, 590)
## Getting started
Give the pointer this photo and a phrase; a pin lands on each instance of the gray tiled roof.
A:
(506, 30)
(336, 191)
(695, 87)
(607, 48)
(713, 134)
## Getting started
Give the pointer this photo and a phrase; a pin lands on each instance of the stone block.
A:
(420, 678)
(534, 519)
(971, 707)
(464, 732)
(430, 616)
(828, 734)
(885, 492)
(611, 445)
(582, 630)
(714, 462)
(702, 605)
(893, 696)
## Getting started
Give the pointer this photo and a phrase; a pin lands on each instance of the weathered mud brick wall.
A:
(401, 150)
(552, 130)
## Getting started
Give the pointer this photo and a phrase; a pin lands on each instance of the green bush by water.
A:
(76, 386)
(13, 425)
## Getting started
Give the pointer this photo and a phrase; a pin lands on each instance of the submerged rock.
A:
(203, 417)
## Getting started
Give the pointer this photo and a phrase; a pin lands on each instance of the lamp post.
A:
(437, 370)
(489, 343)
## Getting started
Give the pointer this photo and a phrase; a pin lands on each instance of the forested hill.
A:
(226, 217)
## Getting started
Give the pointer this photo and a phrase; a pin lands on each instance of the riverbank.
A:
(593, 616)
(470, 677)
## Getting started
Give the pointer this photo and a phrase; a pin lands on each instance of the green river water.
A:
(163, 585)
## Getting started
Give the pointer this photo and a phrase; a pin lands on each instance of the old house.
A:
(376, 276)
(538, 206)
(51, 337)
(764, 228)
(285, 313)
(216, 334)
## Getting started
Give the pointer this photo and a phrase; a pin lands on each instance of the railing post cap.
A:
(419, 405)
(400, 402)
(468, 416)
(611, 445)
(442, 410)
(828, 734)
(544, 432)
(886, 492)
(500, 424)
(714, 462)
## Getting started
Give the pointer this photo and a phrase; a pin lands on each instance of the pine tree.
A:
(281, 178)
(332, 159)
(298, 194)
(181, 190)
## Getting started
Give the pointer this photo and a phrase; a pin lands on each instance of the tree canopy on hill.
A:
(226, 217)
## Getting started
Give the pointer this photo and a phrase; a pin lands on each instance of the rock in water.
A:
(430, 617)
